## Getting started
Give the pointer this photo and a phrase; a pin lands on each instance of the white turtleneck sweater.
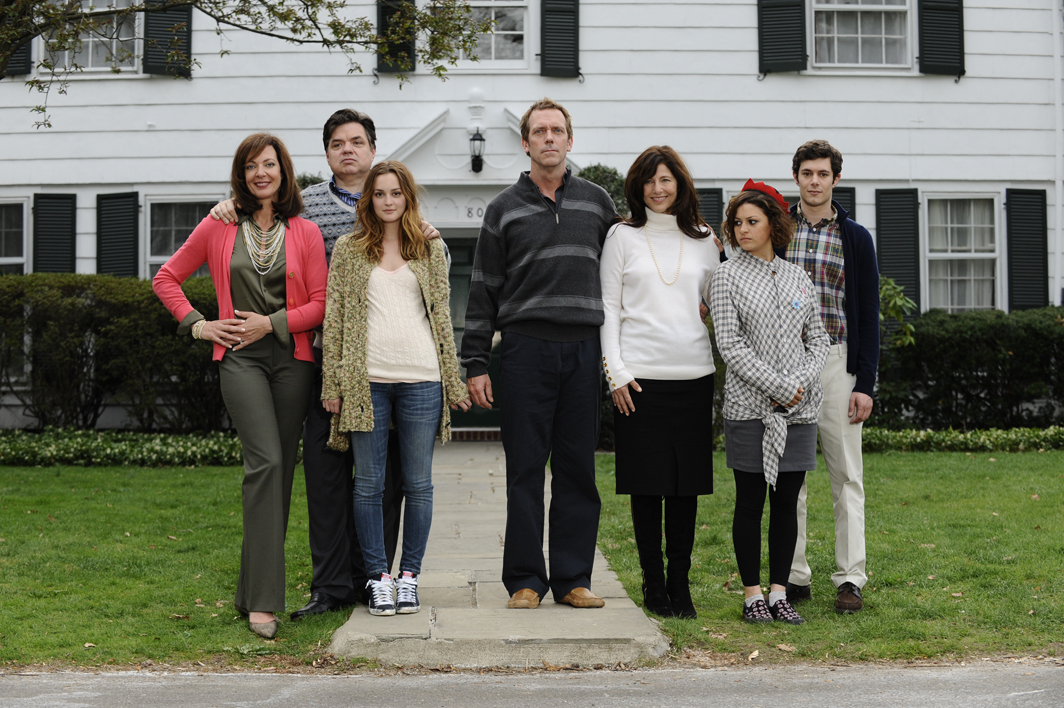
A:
(653, 330)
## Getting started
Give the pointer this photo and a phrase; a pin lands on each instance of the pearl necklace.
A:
(263, 247)
(646, 232)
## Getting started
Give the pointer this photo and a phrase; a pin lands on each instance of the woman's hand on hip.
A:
(332, 405)
(623, 399)
(224, 332)
(465, 404)
(255, 327)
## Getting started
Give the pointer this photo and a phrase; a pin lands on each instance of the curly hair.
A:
(816, 150)
(369, 232)
(779, 220)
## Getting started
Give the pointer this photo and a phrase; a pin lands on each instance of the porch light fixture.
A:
(476, 151)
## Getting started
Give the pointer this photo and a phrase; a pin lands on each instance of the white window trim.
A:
(146, 259)
(508, 66)
(912, 69)
(999, 253)
(40, 49)
(25, 260)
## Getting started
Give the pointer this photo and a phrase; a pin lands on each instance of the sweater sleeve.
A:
(742, 360)
(192, 254)
(611, 274)
(867, 314)
(333, 324)
(489, 276)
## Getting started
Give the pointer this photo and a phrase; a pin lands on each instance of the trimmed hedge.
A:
(71, 344)
(975, 370)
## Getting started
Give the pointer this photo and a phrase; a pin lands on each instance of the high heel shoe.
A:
(655, 598)
(266, 630)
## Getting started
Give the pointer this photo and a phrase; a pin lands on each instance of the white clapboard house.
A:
(948, 113)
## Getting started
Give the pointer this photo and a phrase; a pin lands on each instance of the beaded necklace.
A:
(678, 263)
(263, 246)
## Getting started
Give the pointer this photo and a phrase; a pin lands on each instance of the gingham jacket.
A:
(768, 328)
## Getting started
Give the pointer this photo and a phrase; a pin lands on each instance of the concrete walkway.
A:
(464, 620)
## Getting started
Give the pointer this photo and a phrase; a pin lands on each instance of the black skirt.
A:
(665, 448)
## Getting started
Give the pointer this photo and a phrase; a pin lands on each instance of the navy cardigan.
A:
(862, 299)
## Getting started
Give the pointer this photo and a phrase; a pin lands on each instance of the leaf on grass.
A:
(931, 577)
(179, 617)
(220, 603)
(715, 635)
(214, 614)
(173, 538)
(754, 655)
(1030, 612)
(198, 576)
(1035, 497)
(958, 594)
(786, 647)
(927, 545)
(2, 540)
(127, 533)
(705, 526)
(993, 513)
(89, 645)
(993, 459)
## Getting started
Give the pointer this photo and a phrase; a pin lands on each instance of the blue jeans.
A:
(417, 408)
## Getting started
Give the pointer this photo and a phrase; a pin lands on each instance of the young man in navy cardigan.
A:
(840, 258)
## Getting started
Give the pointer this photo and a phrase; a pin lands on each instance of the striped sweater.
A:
(536, 269)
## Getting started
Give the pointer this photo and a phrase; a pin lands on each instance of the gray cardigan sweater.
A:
(536, 269)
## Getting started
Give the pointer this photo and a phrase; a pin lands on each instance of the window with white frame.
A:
(861, 33)
(12, 239)
(962, 247)
(170, 224)
(111, 45)
(506, 47)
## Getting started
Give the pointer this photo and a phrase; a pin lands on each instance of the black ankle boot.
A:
(680, 597)
(655, 597)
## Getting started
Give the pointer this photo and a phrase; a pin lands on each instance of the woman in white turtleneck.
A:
(659, 363)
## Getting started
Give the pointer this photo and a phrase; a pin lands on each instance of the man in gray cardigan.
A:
(536, 279)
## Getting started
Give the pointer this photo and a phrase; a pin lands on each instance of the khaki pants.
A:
(841, 444)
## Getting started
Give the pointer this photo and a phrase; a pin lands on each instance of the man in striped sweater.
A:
(536, 279)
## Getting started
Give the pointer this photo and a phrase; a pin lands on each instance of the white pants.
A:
(840, 441)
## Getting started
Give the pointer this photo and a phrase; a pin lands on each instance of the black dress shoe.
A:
(798, 593)
(320, 603)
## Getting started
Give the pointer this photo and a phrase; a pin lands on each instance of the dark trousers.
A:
(551, 412)
(334, 547)
(782, 525)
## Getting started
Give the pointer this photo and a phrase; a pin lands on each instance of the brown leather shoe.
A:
(582, 597)
(849, 599)
(524, 599)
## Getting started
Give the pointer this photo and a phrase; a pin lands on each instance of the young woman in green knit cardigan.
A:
(389, 346)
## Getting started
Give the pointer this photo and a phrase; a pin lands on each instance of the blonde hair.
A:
(369, 229)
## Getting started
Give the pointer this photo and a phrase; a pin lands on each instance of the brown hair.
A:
(779, 220)
(816, 150)
(369, 232)
(287, 202)
(544, 104)
(685, 208)
(345, 116)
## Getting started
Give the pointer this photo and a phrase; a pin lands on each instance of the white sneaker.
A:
(407, 602)
(381, 595)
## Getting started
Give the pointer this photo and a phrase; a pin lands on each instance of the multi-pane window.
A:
(962, 254)
(113, 43)
(12, 239)
(861, 32)
(506, 45)
(171, 224)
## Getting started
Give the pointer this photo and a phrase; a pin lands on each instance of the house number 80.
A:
(470, 210)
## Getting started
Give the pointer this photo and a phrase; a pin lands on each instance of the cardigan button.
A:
(291, 274)
(291, 301)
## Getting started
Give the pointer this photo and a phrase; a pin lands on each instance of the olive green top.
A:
(261, 294)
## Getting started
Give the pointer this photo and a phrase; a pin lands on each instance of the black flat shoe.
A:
(320, 603)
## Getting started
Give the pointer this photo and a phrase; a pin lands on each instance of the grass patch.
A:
(966, 553)
(123, 566)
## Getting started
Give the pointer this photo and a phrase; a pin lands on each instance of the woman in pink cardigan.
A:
(269, 273)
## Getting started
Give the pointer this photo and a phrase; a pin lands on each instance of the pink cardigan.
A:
(212, 242)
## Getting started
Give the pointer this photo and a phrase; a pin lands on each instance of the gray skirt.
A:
(743, 444)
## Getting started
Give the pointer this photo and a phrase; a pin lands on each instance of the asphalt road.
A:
(990, 684)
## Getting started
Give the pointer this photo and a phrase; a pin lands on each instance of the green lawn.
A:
(140, 564)
(966, 556)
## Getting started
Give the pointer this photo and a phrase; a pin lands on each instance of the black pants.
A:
(782, 525)
(680, 513)
(334, 547)
(551, 411)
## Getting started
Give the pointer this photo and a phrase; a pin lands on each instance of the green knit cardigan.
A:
(344, 373)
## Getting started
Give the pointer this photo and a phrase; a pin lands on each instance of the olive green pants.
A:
(266, 391)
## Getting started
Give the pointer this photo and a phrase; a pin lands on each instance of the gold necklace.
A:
(646, 232)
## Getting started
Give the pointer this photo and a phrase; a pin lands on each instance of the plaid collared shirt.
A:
(768, 329)
(817, 249)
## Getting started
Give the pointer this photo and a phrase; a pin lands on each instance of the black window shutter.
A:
(54, 227)
(941, 37)
(897, 238)
(781, 35)
(1027, 243)
(386, 10)
(117, 235)
(711, 207)
(560, 38)
(21, 61)
(165, 31)
(847, 199)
